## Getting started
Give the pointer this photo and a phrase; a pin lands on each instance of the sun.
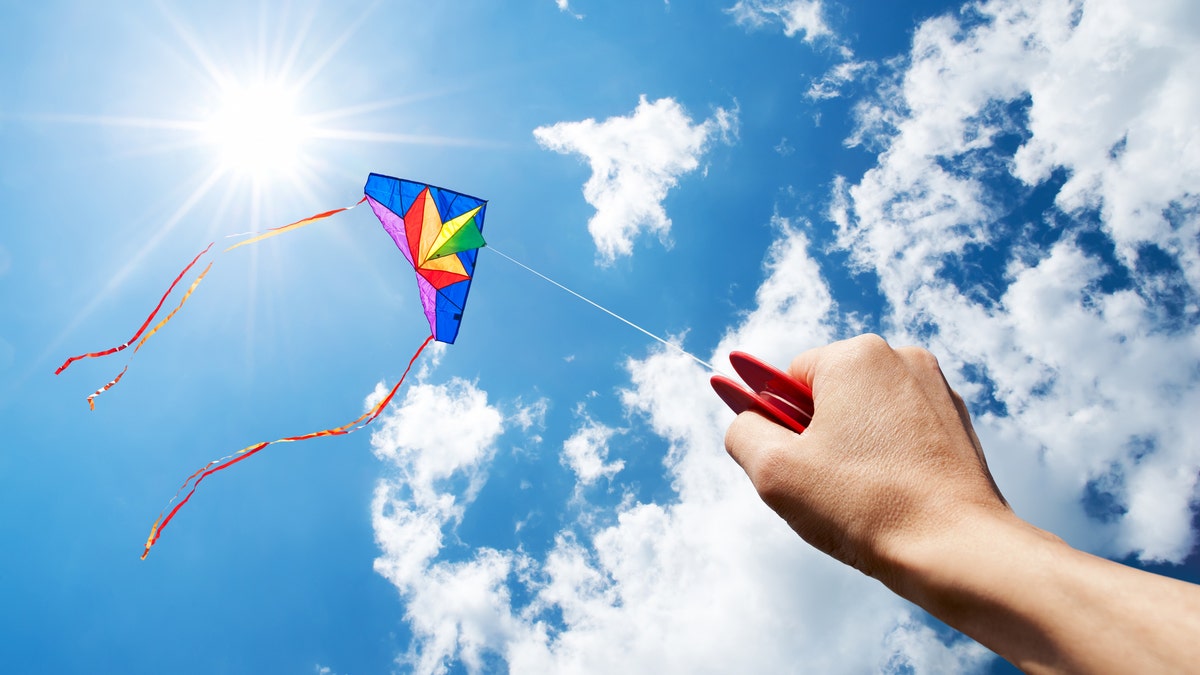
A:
(261, 124)
(257, 130)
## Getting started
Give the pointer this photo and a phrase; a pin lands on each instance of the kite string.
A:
(607, 311)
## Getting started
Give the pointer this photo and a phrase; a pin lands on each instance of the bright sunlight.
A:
(258, 132)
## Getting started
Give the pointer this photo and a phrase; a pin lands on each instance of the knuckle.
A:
(868, 342)
(919, 357)
(867, 348)
(772, 474)
(863, 351)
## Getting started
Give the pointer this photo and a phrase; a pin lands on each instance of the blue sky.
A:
(1011, 184)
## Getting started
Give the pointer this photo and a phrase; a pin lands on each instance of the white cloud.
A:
(1095, 375)
(586, 450)
(1113, 127)
(448, 605)
(798, 17)
(830, 84)
(807, 19)
(635, 160)
(411, 510)
(530, 416)
(917, 649)
(565, 6)
(437, 432)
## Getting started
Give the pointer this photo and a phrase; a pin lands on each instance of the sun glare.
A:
(258, 132)
(251, 123)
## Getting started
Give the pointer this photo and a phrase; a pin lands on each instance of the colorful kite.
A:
(439, 231)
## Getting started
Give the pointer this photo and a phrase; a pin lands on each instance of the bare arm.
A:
(891, 479)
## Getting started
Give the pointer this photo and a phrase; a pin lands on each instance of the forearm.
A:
(1034, 600)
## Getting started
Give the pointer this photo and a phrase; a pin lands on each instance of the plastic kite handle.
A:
(769, 391)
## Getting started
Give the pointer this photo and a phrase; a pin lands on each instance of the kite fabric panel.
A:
(440, 232)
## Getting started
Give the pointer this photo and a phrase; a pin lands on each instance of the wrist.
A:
(949, 552)
(990, 575)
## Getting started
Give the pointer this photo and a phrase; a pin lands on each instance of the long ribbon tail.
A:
(92, 399)
(274, 231)
(178, 307)
(214, 466)
(125, 345)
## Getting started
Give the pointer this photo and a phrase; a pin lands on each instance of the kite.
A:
(439, 231)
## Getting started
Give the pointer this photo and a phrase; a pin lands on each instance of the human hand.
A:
(889, 477)
(889, 460)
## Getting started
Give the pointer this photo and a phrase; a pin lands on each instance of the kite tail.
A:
(227, 461)
(92, 399)
(122, 347)
(125, 345)
(178, 307)
(274, 231)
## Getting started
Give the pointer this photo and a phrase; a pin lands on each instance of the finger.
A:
(805, 366)
(864, 350)
(765, 450)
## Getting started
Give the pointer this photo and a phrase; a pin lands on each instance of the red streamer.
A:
(214, 466)
(114, 350)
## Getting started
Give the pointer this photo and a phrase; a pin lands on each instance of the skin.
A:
(890, 478)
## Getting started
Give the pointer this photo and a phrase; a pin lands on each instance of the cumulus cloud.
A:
(412, 511)
(532, 415)
(910, 645)
(427, 454)
(1085, 363)
(798, 17)
(635, 160)
(586, 452)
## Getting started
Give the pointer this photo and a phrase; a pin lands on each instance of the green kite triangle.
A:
(467, 238)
